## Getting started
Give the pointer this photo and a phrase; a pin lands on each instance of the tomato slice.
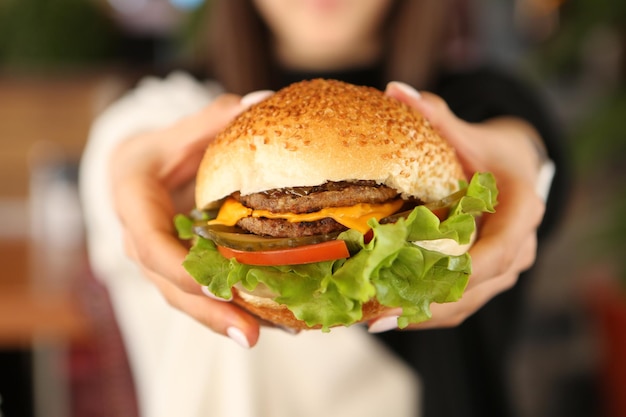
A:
(319, 252)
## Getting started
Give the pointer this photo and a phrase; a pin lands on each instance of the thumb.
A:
(436, 111)
(193, 134)
(430, 105)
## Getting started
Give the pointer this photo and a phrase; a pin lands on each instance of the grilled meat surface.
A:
(307, 200)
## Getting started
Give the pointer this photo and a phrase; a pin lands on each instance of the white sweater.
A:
(184, 369)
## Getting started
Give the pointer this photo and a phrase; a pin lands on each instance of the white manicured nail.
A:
(238, 337)
(406, 88)
(255, 97)
(384, 324)
(208, 293)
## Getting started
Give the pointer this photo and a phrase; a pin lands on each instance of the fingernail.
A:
(289, 330)
(405, 88)
(238, 337)
(384, 324)
(209, 294)
(255, 97)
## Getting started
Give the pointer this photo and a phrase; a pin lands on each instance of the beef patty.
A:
(307, 200)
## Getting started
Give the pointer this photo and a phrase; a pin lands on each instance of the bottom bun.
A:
(279, 315)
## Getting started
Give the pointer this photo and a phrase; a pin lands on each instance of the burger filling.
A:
(308, 211)
(405, 263)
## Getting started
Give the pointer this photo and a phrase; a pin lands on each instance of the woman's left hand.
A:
(507, 240)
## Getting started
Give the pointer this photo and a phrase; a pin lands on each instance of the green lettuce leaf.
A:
(184, 226)
(389, 267)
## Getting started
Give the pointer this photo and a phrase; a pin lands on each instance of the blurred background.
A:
(63, 61)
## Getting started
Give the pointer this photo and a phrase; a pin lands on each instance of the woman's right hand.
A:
(152, 176)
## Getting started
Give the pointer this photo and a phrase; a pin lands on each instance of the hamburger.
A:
(327, 203)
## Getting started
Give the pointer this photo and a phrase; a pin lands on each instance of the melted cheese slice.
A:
(353, 217)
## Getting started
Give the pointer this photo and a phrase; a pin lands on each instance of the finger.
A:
(144, 205)
(147, 215)
(441, 118)
(212, 119)
(228, 320)
(449, 314)
(185, 142)
(453, 314)
(194, 133)
(479, 146)
(516, 220)
(431, 106)
(255, 97)
(207, 122)
(224, 318)
(528, 254)
(387, 321)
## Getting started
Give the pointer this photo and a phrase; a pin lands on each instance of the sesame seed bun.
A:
(324, 130)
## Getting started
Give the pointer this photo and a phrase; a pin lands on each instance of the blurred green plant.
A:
(561, 54)
(46, 34)
(600, 149)
(600, 137)
(597, 133)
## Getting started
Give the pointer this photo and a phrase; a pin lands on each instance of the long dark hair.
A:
(241, 56)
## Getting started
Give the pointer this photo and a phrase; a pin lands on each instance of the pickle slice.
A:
(446, 202)
(434, 206)
(236, 238)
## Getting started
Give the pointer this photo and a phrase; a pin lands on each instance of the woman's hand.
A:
(152, 180)
(511, 150)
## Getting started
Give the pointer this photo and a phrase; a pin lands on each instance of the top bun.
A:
(316, 131)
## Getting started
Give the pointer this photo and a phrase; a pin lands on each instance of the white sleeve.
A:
(153, 104)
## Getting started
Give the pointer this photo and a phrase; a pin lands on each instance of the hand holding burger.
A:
(157, 165)
(328, 204)
(151, 176)
(512, 150)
